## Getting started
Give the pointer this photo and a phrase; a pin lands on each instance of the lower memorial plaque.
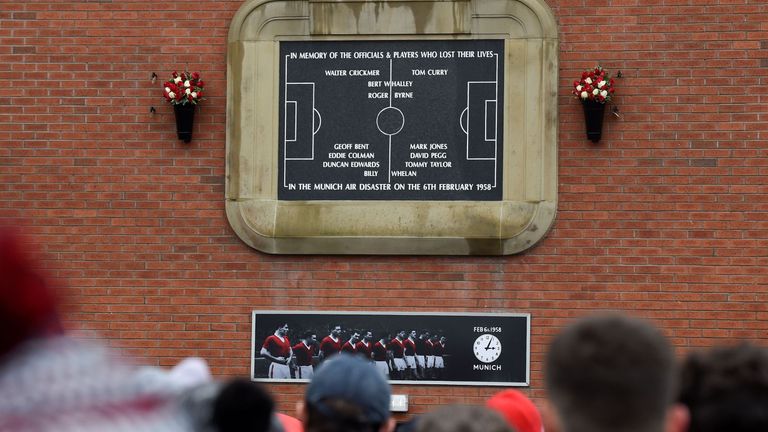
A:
(391, 120)
(407, 348)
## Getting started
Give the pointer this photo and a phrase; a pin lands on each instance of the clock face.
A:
(487, 348)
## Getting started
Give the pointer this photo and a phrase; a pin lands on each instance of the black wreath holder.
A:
(185, 117)
(594, 112)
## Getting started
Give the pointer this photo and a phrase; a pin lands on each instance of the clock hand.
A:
(489, 345)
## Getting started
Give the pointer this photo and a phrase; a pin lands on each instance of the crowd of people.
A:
(603, 373)
(406, 356)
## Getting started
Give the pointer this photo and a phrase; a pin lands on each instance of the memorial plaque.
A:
(391, 120)
(474, 348)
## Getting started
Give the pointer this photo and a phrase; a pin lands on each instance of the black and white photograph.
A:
(425, 348)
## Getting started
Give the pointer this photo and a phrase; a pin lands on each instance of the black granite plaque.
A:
(391, 120)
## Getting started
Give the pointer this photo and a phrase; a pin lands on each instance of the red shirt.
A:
(364, 349)
(349, 348)
(439, 348)
(410, 347)
(329, 347)
(304, 354)
(379, 352)
(429, 346)
(396, 345)
(277, 347)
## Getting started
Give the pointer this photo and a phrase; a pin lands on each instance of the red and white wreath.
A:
(594, 85)
(184, 88)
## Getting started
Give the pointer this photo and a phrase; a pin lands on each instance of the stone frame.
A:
(517, 222)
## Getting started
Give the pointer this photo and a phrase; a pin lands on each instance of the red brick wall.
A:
(667, 216)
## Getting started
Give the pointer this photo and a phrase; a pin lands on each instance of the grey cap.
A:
(353, 379)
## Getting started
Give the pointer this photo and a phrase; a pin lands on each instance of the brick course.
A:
(666, 217)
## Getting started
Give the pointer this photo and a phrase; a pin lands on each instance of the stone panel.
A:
(528, 203)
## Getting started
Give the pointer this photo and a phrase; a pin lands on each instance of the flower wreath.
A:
(184, 88)
(595, 85)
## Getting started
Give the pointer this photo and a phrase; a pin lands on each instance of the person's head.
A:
(424, 335)
(401, 334)
(242, 405)
(612, 372)
(336, 331)
(443, 339)
(355, 337)
(462, 418)
(282, 330)
(309, 338)
(368, 336)
(726, 389)
(412, 335)
(517, 410)
(347, 394)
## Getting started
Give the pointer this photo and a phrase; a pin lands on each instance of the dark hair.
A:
(611, 372)
(726, 389)
(242, 405)
(338, 415)
(462, 418)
